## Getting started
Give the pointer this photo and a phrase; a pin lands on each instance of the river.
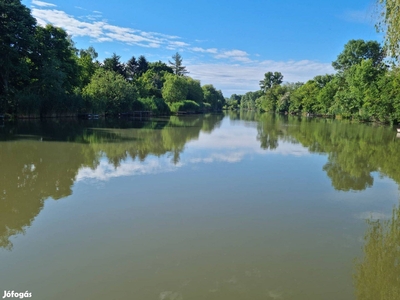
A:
(234, 206)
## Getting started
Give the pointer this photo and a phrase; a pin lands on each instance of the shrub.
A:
(186, 106)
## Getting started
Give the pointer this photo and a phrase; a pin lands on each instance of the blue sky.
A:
(230, 44)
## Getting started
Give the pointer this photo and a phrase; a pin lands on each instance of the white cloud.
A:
(43, 4)
(101, 31)
(202, 50)
(236, 55)
(229, 157)
(177, 44)
(105, 170)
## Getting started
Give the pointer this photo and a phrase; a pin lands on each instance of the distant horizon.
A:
(229, 45)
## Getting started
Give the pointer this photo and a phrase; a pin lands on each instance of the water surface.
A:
(240, 206)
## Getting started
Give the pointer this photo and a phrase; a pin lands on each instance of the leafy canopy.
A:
(357, 50)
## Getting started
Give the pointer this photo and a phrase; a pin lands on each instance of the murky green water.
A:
(201, 207)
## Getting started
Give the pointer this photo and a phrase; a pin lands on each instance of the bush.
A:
(186, 106)
(155, 105)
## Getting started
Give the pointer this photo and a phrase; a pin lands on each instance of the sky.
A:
(230, 44)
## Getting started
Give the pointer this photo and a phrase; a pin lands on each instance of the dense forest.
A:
(43, 74)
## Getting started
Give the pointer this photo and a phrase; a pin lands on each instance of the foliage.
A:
(109, 92)
(155, 105)
(131, 68)
(270, 80)
(113, 64)
(17, 28)
(160, 68)
(248, 100)
(185, 106)
(357, 50)
(275, 99)
(142, 65)
(150, 84)
(176, 65)
(389, 23)
(87, 65)
(195, 92)
(175, 88)
(213, 97)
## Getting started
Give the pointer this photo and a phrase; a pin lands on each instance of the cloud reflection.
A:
(106, 170)
(225, 145)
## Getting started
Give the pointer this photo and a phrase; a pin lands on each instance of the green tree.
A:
(87, 65)
(326, 96)
(17, 28)
(213, 97)
(109, 92)
(271, 79)
(150, 84)
(195, 92)
(176, 65)
(160, 67)
(357, 50)
(131, 68)
(142, 65)
(114, 64)
(175, 88)
(275, 99)
(248, 100)
(55, 71)
(304, 99)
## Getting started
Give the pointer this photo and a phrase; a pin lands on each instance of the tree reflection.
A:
(354, 150)
(40, 160)
(377, 275)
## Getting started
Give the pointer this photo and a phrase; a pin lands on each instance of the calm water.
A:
(201, 207)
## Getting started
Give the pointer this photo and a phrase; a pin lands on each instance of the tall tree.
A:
(176, 65)
(17, 28)
(131, 68)
(271, 79)
(55, 70)
(87, 65)
(357, 50)
(114, 64)
(143, 65)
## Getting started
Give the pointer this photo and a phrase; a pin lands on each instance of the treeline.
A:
(364, 88)
(43, 74)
